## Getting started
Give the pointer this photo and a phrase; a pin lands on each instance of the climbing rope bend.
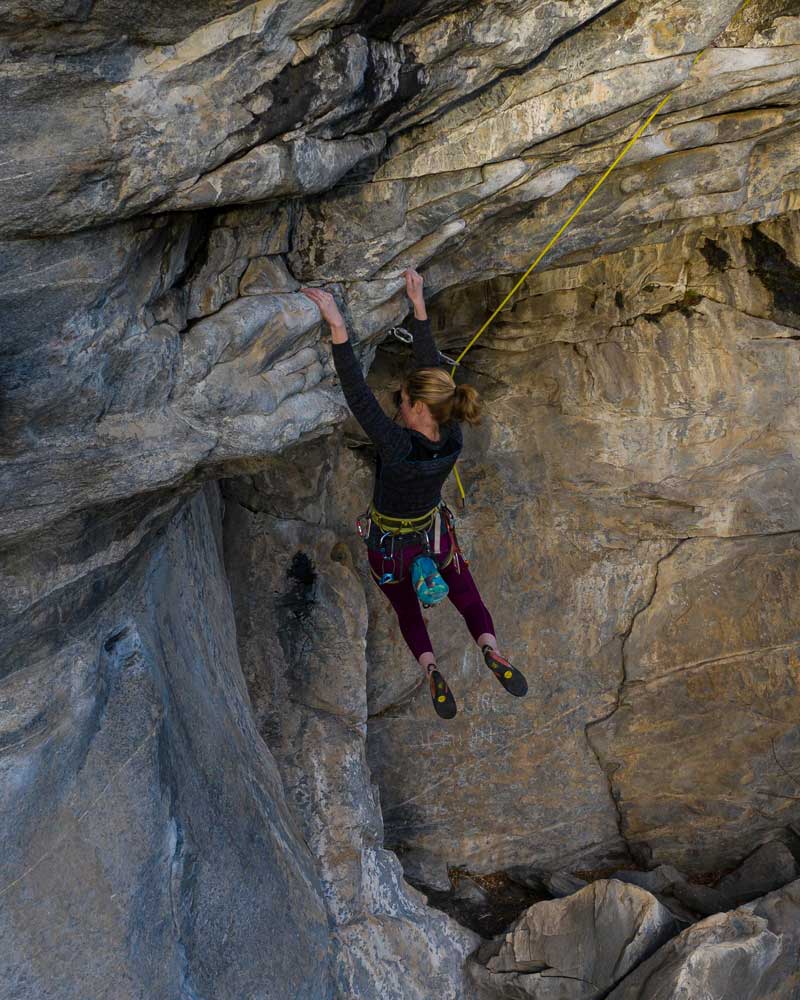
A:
(576, 211)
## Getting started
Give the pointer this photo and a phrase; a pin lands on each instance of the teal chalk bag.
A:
(428, 584)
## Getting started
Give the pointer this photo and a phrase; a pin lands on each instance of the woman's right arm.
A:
(426, 353)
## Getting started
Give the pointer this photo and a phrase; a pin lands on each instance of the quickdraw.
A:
(402, 334)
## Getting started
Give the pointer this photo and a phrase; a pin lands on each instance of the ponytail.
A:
(467, 404)
(445, 399)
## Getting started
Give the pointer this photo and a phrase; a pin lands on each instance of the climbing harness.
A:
(584, 201)
(396, 533)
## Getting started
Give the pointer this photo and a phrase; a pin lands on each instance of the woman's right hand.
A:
(414, 286)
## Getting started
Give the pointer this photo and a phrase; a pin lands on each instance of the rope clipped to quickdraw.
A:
(584, 201)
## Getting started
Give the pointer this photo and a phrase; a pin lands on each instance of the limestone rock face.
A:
(148, 848)
(302, 620)
(463, 130)
(632, 521)
(172, 174)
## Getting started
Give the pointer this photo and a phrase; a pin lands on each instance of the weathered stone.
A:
(576, 947)
(266, 275)
(301, 619)
(768, 867)
(658, 880)
(642, 393)
(683, 915)
(749, 953)
(558, 884)
(304, 166)
(217, 282)
(701, 898)
(146, 837)
(563, 884)
(138, 127)
(717, 641)
(645, 427)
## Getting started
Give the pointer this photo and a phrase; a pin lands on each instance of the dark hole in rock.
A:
(715, 256)
(301, 594)
(486, 904)
(779, 275)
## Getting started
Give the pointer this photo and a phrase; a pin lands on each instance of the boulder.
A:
(768, 867)
(658, 879)
(576, 947)
(701, 898)
(750, 953)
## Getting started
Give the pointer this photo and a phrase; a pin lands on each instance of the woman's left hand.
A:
(326, 304)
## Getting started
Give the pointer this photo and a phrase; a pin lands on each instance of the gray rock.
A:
(528, 875)
(301, 621)
(304, 166)
(683, 915)
(563, 884)
(657, 880)
(145, 829)
(701, 898)
(469, 891)
(558, 884)
(640, 438)
(265, 275)
(750, 953)
(769, 867)
(579, 946)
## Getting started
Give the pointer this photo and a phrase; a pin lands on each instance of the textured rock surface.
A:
(769, 867)
(750, 953)
(638, 476)
(147, 847)
(577, 947)
(301, 620)
(170, 175)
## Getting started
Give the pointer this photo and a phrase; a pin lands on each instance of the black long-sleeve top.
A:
(411, 469)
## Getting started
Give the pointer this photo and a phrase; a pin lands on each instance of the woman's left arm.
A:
(391, 439)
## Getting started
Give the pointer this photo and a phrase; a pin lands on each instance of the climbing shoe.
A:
(512, 680)
(441, 695)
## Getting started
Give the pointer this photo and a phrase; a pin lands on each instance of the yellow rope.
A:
(554, 239)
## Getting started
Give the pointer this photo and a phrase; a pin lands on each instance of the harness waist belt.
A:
(403, 525)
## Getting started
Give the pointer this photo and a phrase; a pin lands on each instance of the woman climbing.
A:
(407, 516)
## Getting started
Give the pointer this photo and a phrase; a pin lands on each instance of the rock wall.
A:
(301, 621)
(170, 177)
(633, 518)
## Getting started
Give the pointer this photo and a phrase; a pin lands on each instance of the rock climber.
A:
(416, 453)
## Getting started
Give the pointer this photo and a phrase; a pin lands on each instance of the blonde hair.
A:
(445, 399)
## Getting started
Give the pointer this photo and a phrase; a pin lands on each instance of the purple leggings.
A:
(462, 591)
